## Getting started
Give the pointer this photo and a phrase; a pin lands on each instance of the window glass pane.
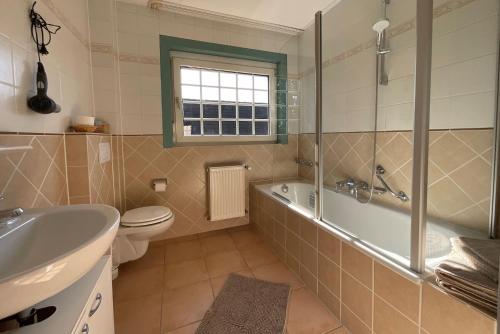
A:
(227, 79)
(245, 128)
(210, 111)
(210, 93)
(228, 111)
(245, 112)
(190, 92)
(262, 128)
(190, 76)
(229, 127)
(261, 96)
(211, 127)
(244, 81)
(210, 78)
(245, 95)
(192, 128)
(228, 94)
(261, 112)
(191, 110)
(261, 82)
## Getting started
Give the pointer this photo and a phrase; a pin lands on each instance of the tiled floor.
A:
(169, 290)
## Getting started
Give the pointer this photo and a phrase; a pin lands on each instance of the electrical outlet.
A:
(104, 153)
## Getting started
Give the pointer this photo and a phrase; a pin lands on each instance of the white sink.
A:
(47, 250)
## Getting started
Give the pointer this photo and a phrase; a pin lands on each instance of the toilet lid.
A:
(147, 215)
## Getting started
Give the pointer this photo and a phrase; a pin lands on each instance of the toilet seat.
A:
(146, 216)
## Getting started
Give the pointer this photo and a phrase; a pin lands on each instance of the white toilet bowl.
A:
(137, 227)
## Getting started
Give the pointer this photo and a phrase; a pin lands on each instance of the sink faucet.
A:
(8, 216)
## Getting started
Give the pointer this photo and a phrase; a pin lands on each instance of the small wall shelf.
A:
(11, 149)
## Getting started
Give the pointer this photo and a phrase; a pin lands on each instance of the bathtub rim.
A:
(358, 244)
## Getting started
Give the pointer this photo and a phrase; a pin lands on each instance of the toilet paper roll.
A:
(160, 185)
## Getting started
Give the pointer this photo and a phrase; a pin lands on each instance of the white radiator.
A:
(226, 192)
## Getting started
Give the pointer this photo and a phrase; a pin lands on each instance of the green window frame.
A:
(170, 44)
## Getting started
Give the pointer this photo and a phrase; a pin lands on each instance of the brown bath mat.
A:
(247, 306)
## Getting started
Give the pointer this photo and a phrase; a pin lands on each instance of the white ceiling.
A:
(290, 13)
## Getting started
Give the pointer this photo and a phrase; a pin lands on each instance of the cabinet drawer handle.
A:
(85, 329)
(96, 304)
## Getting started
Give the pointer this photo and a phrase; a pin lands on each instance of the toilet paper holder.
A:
(158, 181)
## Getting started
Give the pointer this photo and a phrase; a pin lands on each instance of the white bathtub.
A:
(384, 230)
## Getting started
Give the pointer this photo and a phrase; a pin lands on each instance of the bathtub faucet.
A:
(354, 187)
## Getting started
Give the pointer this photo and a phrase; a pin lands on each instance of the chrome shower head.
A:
(381, 25)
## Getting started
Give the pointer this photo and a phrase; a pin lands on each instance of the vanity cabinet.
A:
(97, 316)
(85, 307)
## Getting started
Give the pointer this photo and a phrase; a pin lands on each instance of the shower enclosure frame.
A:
(423, 67)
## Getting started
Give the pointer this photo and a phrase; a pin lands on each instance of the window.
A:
(223, 99)
(176, 52)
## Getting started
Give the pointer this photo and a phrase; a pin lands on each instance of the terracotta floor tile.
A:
(308, 315)
(155, 256)
(185, 273)
(245, 238)
(258, 255)
(218, 282)
(141, 315)
(189, 329)
(136, 284)
(277, 272)
(217, 243)
(183, 251)
(186, 305)
(219, 264)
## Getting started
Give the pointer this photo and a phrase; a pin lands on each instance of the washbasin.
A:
(46, 250)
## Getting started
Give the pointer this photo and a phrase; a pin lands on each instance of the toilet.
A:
(137, 227)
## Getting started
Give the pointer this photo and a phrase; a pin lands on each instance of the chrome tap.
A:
(8, 216)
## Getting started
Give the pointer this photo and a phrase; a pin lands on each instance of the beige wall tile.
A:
(331, 301)
(293, 263)
(293, 220)
(309, 232)
(329, 245)
(279, 234)
(454, 154)
(76, 150)
(442, 313)
(400, 292)
(357, 264)
(78, 181)
(329, 274)
(388, 320)
(293, 244)
(310, 279)
(357, 297)
(353, 323)
(309, 257)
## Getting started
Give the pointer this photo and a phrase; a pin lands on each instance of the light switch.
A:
(104, 152)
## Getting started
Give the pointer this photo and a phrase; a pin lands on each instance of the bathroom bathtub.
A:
(384, 230)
